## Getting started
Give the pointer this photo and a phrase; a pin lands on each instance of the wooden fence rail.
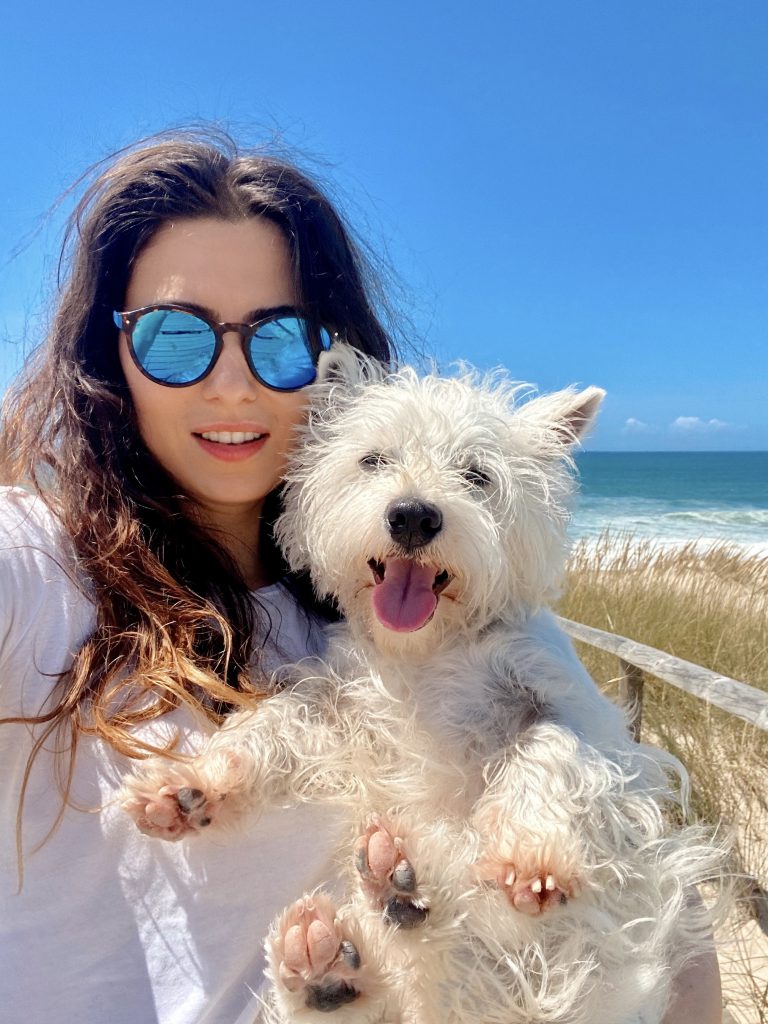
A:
(740, 699)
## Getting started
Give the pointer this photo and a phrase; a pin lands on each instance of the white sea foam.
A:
(668, 524)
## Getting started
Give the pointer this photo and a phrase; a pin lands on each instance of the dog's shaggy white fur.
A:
(514, 860)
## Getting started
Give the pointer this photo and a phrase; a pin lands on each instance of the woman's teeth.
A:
(230, 436)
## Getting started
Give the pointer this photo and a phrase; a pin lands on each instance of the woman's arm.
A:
(697, 997)
(696, 993)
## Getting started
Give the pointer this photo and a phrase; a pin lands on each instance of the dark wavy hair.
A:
(174, 619)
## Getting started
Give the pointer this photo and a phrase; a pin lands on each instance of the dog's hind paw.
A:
(387, 876)
(313, 958)
(538, 894)
(170, 801)
(530, 889)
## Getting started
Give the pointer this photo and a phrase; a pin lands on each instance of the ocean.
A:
(675, 497)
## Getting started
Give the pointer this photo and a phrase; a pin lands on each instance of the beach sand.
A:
(743, 954)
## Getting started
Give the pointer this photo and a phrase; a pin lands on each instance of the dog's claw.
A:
(349, 954)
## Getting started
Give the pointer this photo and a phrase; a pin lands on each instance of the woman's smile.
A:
(232, 442)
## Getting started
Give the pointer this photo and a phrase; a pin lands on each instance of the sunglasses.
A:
(177, 346)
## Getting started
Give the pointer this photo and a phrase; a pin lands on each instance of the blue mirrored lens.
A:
(173, 347)
(280, 353)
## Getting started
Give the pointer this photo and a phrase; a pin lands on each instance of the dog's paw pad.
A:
(387, 876)
(405, 913)
(315, 957)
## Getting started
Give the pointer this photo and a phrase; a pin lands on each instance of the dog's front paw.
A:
(170, 801)
(387, 876)
(313, 958)
(533, 884)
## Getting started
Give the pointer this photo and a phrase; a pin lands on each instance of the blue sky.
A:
(576, 191)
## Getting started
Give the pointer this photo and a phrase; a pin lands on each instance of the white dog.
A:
(513, 862)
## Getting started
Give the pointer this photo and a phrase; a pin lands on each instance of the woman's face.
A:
(231, 268)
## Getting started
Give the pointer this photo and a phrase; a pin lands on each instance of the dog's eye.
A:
(476, 477)
(374, 460)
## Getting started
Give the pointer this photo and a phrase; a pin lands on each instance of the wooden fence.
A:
(740, 699)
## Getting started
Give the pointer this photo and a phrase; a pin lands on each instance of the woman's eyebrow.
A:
(193, 307)
(251, 317)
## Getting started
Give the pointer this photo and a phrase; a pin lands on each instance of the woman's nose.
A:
(231, 378)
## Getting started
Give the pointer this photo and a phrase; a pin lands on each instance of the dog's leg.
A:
(415, 888)
(529, 822)
(294, 746)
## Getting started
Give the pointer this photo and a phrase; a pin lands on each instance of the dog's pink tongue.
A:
(404, 600)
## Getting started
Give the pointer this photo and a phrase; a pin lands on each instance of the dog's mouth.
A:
(405, 593)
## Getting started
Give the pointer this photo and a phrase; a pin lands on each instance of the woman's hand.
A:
(697, 996)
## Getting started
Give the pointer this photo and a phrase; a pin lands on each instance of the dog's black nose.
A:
(413, 523)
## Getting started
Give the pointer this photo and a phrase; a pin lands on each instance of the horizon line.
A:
(672, 451)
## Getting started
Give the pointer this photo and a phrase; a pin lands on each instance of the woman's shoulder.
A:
(24, 513)
(45, 612)
(30, 534)
(37, 560)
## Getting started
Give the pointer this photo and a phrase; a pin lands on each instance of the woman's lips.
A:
(231, 452)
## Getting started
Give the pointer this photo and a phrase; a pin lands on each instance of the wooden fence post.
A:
(631, 694)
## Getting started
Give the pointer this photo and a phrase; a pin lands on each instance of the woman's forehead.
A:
(230, 267)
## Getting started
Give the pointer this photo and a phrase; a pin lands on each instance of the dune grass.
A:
(709, 607)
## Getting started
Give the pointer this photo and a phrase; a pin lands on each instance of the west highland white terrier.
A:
(515, 859)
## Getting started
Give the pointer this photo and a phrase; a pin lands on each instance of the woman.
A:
(135, 574)
(141, 593)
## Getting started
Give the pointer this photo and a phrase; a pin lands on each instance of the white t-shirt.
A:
(112, 927)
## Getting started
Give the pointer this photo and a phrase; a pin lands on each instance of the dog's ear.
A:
(569, 414)
(345, 365)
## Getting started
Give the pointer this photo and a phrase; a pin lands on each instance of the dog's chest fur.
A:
(459, 713)
(471, 708)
